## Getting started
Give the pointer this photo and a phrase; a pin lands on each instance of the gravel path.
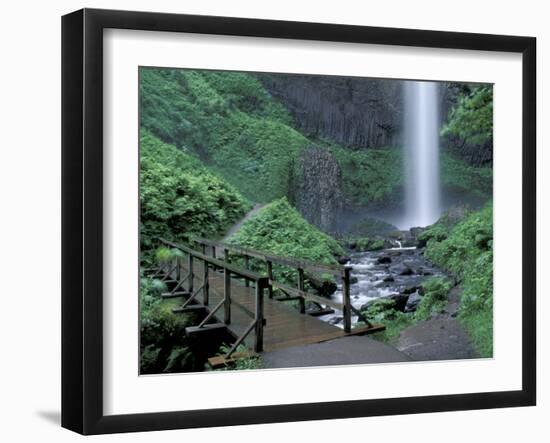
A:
(441, 337)
(341, 351)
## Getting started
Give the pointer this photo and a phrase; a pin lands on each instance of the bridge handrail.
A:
(285, 261)
(244, 273)
(301, 265)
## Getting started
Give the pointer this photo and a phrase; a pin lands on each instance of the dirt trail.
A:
(257, 207)
(441, 337)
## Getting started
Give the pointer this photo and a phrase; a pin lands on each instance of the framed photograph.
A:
(269, 221)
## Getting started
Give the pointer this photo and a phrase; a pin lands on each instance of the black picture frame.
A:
(82, 219)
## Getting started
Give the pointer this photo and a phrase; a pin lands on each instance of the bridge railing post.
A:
(190, 285)
(259, 316)
(270, 276)
(206, 284)
(301, 287)
(246, 266)
(346, 298)
(227, 295)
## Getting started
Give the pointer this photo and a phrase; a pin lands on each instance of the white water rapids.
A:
(373, 280)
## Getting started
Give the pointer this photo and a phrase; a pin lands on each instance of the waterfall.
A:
(422, 192)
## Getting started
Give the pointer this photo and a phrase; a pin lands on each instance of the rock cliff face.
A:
(317, 193)
(359, 112)
(351, 111)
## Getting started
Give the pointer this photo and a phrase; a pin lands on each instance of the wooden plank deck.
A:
(285, 326)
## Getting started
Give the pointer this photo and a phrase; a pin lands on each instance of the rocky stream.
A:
(396, 273)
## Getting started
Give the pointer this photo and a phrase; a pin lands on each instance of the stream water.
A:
(386, 273)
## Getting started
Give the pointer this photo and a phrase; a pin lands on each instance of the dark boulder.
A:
(394, 253)
(421, 243)
(324, 288)
(389, 279)
(412, 302)
(401, 269)
(400, 301)
(384, 259)
(343, 260)
(410, 289)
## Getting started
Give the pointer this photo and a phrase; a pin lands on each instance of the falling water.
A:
(422, 193)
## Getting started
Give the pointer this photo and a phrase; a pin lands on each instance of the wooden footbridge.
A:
(235, 289)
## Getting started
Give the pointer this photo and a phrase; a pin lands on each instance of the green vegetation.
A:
(369, 175)
(456, 175)
(461, 242)
(376, 175)
(372, 227)
(211, 143)
(368, 235)
(384, 310)
(280, 229)
(434, 300)
(179, 196)
(467, 251)
(252, 362)
(229, 120)
(234, 126)
(367, 244)
(162, 342)
(472, 118)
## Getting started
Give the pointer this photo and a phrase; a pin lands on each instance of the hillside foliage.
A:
(466, 250)
(179, 196)
(281, 230)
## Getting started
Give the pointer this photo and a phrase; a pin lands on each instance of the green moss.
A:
(377, 245)
(363, 243)
(383, 311)
(436, 291)
(369, 175)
